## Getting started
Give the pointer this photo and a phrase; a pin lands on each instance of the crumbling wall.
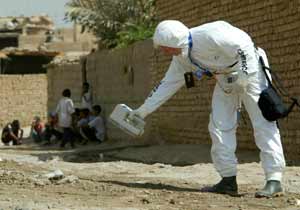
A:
(22, 98)
(31, 41)
(69, 46)
(71, 39)
(273, 25)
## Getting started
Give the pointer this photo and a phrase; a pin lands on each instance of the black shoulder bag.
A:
(270, 102)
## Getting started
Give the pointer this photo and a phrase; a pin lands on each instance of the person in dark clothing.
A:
(85, 132)
(51, 129)
(12, 132)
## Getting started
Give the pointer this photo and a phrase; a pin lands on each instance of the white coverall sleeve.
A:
(169, 85)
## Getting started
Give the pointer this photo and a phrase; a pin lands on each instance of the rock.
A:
(55, 175)
(7, 173)
(39, 182)
(293, 201)
(172, 201)
(101, 156)
(240, 207)
(69, 180)
(145, 201)
(53, 159)
(159, 165)
(20, 208)
(147, 192)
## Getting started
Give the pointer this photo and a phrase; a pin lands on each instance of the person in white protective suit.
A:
(221, 50)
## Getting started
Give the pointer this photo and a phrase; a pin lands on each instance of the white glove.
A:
(140, 112)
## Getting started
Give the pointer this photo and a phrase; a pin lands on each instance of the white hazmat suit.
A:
(228, 53)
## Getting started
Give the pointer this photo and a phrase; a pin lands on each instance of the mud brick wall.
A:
(61, 77)
(31, 41)
(121, 76)
(70, 46)
(22, 98)
(274, 25)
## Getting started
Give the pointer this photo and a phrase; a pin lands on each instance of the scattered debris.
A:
(67, 58)
(40, 182)
(145, 201)
(69, 180)
(172, 201)
(20, 208)
(55, 175)
(293, 201)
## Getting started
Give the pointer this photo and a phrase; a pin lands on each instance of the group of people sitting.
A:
(65, 125)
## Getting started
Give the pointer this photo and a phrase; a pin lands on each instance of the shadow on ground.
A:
(173, 154)
(152, 186)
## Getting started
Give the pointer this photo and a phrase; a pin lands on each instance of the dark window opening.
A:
(25, 64)
(8, 42)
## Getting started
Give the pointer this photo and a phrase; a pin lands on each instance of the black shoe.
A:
(272, 189)
(227, 186)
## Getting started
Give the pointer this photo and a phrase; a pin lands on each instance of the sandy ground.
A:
(130, 176)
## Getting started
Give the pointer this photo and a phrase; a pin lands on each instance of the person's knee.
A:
(264, 128)
(211, 126)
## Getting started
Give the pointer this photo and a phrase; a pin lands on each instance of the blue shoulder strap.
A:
(200, 70)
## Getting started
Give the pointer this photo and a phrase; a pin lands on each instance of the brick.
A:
(22, 98)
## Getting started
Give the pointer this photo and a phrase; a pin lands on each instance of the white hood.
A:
(171, 33)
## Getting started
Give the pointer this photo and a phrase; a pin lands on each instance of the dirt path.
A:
(130, 177)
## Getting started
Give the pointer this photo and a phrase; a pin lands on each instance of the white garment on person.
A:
(83, 122)
(216, 46)
(98, 125)
(223, 124)
(171, 33)
(65, 109)
(87, 100)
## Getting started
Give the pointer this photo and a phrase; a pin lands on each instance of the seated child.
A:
(82, 124)
(37, 129)
(12, 132)
(75, 119)
(97, 124)
(51, 129)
